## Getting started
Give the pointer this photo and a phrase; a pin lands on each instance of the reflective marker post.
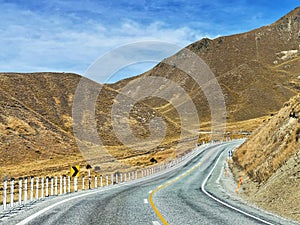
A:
(37, 189)
(52, 186)
(12, 180)
(75, 184)
(42, 187)
(31, 188)
(47, 186)
(61, 185)
(4, 193)
(55, 185)
(65, 184)
(69, 184)
(25, 190)
(20, 191)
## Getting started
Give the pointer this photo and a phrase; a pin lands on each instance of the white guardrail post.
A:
(52, 186)
(75, 184)
(42, 187)
(31, 188)
(60, 185)
(47, 186)
(55, 185)
(25, 190)
(96, 180)
(115, 178)
(12, 181)
(4, 193)
(20, 191)
(69, 184)
(65, 184)
(37, 189)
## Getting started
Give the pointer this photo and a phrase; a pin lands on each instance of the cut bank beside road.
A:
(270, 161)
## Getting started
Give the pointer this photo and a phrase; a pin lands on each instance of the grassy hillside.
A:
(271, 161)
(257, 72)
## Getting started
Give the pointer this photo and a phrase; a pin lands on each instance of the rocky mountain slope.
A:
(35, 123)
(257, 72)
(270, 159)
(36, 126)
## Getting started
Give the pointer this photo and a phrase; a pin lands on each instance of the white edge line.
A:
(37, 214)
(224, 203)
(155, 223)
(192, 156)
(28, 219)
(106, 188)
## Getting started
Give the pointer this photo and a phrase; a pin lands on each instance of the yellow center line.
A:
(160, 216)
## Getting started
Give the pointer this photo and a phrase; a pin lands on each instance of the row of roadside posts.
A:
(32, 189)
(27, 190)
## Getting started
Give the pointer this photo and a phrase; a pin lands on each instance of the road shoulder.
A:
(224, 186)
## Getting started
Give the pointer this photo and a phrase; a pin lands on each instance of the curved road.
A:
(173, 198)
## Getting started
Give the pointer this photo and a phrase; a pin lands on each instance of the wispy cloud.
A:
(34, 41)
(69, 35)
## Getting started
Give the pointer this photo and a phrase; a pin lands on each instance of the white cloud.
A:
(33, 41)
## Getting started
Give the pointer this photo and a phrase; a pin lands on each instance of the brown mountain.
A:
(271, 161)
(257, 72)
(35, 122)
(36, 133)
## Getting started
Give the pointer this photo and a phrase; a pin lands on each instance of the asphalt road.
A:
(172, 198)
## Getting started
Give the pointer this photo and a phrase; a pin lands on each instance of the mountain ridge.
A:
(257, 72)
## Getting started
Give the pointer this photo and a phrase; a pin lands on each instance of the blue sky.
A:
(68, 36)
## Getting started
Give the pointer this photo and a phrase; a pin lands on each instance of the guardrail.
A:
(29, 190)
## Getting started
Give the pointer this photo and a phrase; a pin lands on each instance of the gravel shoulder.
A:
(224, 188)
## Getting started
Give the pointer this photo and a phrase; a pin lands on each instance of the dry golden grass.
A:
(36, 136)
(18, 126)
(270, 145)
(270, 162)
